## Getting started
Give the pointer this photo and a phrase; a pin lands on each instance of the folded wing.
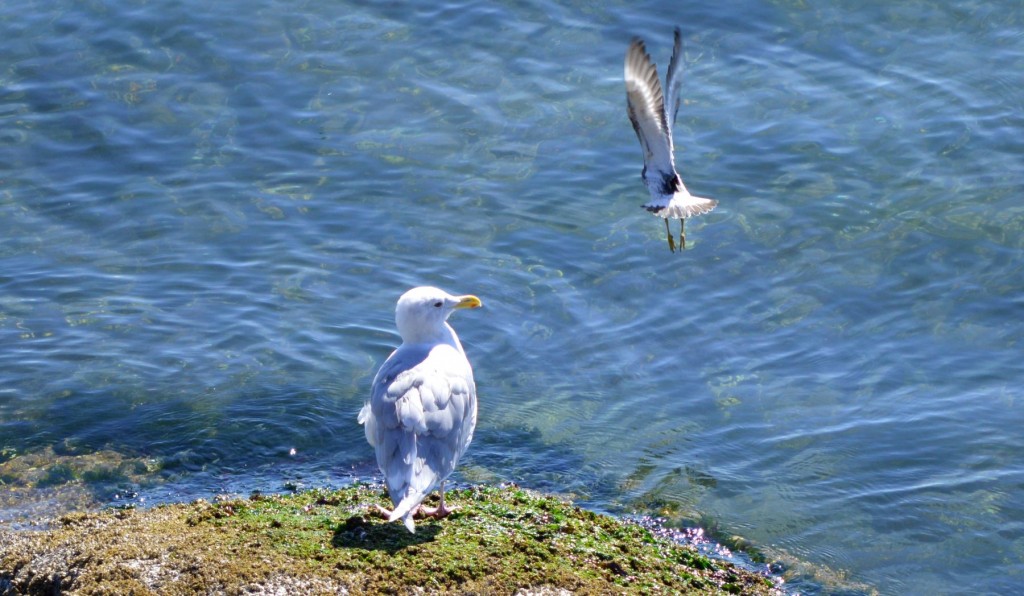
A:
(420, 418)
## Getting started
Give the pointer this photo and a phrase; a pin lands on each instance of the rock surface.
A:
(502, 540)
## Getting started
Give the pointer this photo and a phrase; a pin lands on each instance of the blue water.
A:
(208, 210)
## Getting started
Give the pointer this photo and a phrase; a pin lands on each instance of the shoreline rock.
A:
(502, 540)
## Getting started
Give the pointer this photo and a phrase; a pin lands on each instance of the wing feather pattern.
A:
(419, 397)
(673, 81)
(646, 106)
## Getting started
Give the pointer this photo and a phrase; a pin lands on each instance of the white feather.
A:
(422, 408)
(653, 115)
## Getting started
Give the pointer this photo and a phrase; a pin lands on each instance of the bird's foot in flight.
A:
(671, 241)
(682, 235)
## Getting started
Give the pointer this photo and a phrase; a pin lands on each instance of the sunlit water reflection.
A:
(208, 212)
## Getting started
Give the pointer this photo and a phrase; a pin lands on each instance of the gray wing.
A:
(420, 418)
(646, 106)
(673, 81)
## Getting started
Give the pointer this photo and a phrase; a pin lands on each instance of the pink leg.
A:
(438, 512)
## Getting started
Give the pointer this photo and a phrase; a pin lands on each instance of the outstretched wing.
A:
(420, 418)
(645, 103)
(673, 81)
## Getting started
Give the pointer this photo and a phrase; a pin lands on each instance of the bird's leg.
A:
(671, 242)
(438, 512)
(380, 511)
(682, 234)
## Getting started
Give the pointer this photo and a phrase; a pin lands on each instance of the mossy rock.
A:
(501, 540)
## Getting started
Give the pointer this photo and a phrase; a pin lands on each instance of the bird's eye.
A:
(438, 304)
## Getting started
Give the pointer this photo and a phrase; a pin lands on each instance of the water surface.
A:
(207, 212)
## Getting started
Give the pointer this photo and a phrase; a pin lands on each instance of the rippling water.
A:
(207, 211)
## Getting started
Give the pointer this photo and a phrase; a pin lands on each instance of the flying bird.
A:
(653, 113)
(422, 408)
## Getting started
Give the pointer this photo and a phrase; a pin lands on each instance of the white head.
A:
(422, 312)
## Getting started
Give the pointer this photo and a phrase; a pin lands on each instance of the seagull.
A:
(422, 408)
(653, 114)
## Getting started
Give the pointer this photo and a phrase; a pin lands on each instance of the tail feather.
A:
(405, 509)
(682, 206)
(407, 520)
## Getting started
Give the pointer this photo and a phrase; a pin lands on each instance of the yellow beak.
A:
(469, 301)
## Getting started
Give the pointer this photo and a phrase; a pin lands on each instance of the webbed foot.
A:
(440, 512)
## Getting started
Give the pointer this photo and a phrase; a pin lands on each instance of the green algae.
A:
(501, 540)
(30, 483)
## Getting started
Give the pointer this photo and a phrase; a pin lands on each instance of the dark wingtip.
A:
(670, 184)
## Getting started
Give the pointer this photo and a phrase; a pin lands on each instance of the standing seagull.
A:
(652, 115)
(422, 408)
